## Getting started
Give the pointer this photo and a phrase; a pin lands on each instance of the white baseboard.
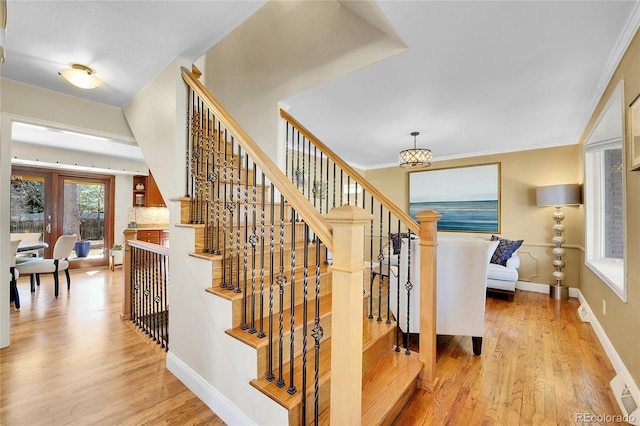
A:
(218, 403)
(624, 388)
(542, 288)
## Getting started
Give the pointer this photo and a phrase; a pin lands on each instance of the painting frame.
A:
(634, 136)
(467, 197)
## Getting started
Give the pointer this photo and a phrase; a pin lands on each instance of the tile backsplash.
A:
(148, 215)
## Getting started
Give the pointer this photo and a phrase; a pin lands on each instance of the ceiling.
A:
(478, 77)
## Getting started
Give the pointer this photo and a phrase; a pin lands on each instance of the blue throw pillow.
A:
(504, 250)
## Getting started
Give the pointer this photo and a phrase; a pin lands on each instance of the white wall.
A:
(286, 48)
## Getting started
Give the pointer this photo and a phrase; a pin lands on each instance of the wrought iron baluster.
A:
(253, 239)
(245, 262)
(315, 189)
(189, 140)
(146, 291)
(380, 262)
(162, 302)
(371, 269)
(341, 187)
(207, 185)
(304, 178)
(398, 329)
(261, 333)
(196, 162)
(216, 192)
(297, 174)
(317, 334)
(355, 196)
(226, 284)
(322, 190)
(231, 206)
(270, 376)
(334, 185)
(408, 286)
(136, 286)
(238, 288)
(309, 179)
(282, 280)
(201, 157)
(152, 283)
(292, 388)
(305, 298)
(286, 148)
(389, 254)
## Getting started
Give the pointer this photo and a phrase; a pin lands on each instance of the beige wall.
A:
(520, 218)
(622, 321)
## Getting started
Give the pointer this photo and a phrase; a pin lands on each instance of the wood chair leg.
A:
(477, 345)
(32, 279)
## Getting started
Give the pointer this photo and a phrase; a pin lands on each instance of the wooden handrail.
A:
(310, 215)
(404, 218)
(155, 248)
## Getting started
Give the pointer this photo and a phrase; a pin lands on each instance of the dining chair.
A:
(60, 262)
(14, 296)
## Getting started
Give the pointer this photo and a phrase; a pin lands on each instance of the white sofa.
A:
(461, 288)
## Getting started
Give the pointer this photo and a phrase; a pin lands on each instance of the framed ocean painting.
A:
(468, 197)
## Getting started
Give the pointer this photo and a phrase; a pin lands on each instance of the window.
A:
(604, 195)
(604, 208)
(604, 204)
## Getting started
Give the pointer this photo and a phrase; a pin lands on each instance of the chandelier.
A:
(415, 157)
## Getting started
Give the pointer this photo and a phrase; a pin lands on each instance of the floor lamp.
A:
(558, 196)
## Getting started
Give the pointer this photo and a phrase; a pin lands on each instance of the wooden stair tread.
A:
(232, 295)
(255, 342)
(372, 331)
(388, 386)
(299, 245)
(385, 388)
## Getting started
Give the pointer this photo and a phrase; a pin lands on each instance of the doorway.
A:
(55, 202)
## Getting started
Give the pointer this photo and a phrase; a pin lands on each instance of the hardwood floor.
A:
(540, 365)
(73, 362)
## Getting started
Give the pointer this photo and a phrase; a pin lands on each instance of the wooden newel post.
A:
(346, 317)
(428, 277)
(129, 234)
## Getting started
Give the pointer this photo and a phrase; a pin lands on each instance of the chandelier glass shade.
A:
(415, 157)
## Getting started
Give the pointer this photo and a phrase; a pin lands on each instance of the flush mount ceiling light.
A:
(81, 76)
(415, 157)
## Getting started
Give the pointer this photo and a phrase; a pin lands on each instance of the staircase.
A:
(270, 253)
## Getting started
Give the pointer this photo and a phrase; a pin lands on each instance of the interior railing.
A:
(327, 181)
(149, 277)
(266, 243)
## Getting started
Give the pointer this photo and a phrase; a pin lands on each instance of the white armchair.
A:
(461, 288)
